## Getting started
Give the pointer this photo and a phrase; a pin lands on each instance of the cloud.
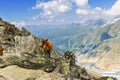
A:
(114, 10)
(90, 14)
(66, 11)
(63, 8)
(52, 8)
(81, 3)
(19, 24)
(82, 11)
(85, 11)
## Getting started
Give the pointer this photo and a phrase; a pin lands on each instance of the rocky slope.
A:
(22, 58)
(107, 54)
(95, 44)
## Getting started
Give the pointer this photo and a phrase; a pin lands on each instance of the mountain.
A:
(106, 55)
(73, 36)
(42, 30)
(99, 46)
(22, 58)
(89, 41)
(70, 36)
(95, 23)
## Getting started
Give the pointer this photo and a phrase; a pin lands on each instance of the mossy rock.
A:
(50, 65)
(12, 60)
(107, 78)
(30, 65)
(65, 67)
(2, 63)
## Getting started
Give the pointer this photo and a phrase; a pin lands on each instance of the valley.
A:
(98, 45)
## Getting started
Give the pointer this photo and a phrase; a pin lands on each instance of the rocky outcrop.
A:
(23, 49)
(23, 58)
(16, 73)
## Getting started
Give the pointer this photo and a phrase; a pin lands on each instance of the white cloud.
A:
(19, 24)
(63, 8)
(81, 3)
(114, 10)
(82, 11)
(52, 8)
(98, 8)
(85, 11)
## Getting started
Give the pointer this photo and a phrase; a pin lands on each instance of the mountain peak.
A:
(1, 22)
(111, 21)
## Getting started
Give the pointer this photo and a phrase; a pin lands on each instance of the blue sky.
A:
(101, 3)
(32, 12)
(15, 10)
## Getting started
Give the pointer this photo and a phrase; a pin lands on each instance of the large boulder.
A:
(16, 73)
(23, 49)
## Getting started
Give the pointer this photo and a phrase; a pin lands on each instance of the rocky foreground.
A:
(22, 58)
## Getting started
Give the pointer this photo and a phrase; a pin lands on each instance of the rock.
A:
(70, 57)
(30, 79)
(2, 63)
(11, 60)
(1, 22)
(2, 78)
(65, 67)
(24, 32)
(107, 78)
(56, 55)
(16, 73)
(24, 59)
(51, 67)
(71, 70)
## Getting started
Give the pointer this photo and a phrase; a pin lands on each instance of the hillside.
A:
(106, 54)
(92, 42)
(66, 37)
(100, 46)
(74, 37)
(22, 58)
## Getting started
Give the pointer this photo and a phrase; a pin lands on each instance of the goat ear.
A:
(46, 39)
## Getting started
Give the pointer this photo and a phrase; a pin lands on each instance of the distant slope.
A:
(107, 54)
(97, 42)
(83, 38)
(69, 38)
(100, 45)
(73, 36)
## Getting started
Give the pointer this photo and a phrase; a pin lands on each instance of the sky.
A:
(37, 12)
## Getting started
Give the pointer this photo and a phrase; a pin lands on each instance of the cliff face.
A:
(22, 58)
(20, 47)
(16, 41)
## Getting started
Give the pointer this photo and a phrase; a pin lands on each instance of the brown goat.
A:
(1, 51)
(47, 46)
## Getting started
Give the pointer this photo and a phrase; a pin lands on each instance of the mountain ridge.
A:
(86, 39)
(22, 52)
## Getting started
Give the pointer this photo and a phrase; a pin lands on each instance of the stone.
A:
(2, 78)
(24, 59)
(107, 78)
(1, 22)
